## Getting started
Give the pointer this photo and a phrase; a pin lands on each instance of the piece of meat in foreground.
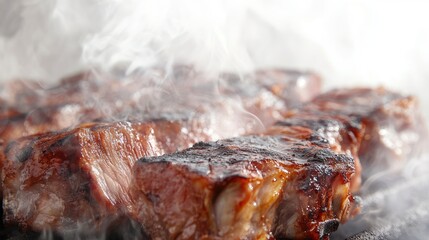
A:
(60, 180)
(253, 187)
(79, 171)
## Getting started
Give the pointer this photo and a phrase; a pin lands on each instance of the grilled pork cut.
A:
(252, 187)
(57, 180)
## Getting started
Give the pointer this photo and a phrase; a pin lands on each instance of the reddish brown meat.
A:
(388, 127)
(345, 121)
(56, 180)
(244, 188)
(375, 126)
(343, 135)
(26, 95)
(95, 164)
(28, 108)
(266, 94)
(31, 108)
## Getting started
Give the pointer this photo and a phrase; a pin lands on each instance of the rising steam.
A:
(349, 42)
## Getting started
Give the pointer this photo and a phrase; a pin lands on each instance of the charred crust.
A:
(327, 227)
(203, 145)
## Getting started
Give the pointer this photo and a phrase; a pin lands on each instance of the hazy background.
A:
(348, 42)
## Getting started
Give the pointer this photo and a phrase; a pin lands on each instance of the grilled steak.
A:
(94, 163)
(253, 187)
(376, 126)
(275, 91)
(344, 121)
(56, 180)
(294, 181)
(27, 108)
(341, 135)
(379, 127)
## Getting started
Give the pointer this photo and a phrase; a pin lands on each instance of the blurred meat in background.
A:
(348, 43)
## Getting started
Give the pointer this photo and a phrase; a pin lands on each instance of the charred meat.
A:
(56, 180)
(254, 187)
(380, 128)
(28, 108)
(340, 135)
(292, 180)
(339, 123)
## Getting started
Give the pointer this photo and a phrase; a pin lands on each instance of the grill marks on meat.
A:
(57, 180)
(253, 187)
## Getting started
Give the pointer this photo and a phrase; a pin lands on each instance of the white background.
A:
(348, 42)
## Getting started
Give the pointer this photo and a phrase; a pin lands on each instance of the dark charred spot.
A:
(202, 145)
(63, 141)
(21, 155)
(314, 154)
(319, 140)
(311, 213)
(306, 184)
(322, 155)
(328, 226)
(344, 158)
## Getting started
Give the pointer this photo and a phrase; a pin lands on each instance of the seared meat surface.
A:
(380, 127)
(28, 108)
(93, 160)
(32, 108)
(253, 187)
(292, 179)
(340, 134)
(377, 127)
(56, 180)
(328, 123)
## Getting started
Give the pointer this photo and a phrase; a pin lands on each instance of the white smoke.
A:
(349, 42)
(42, 39)
(206, 34)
